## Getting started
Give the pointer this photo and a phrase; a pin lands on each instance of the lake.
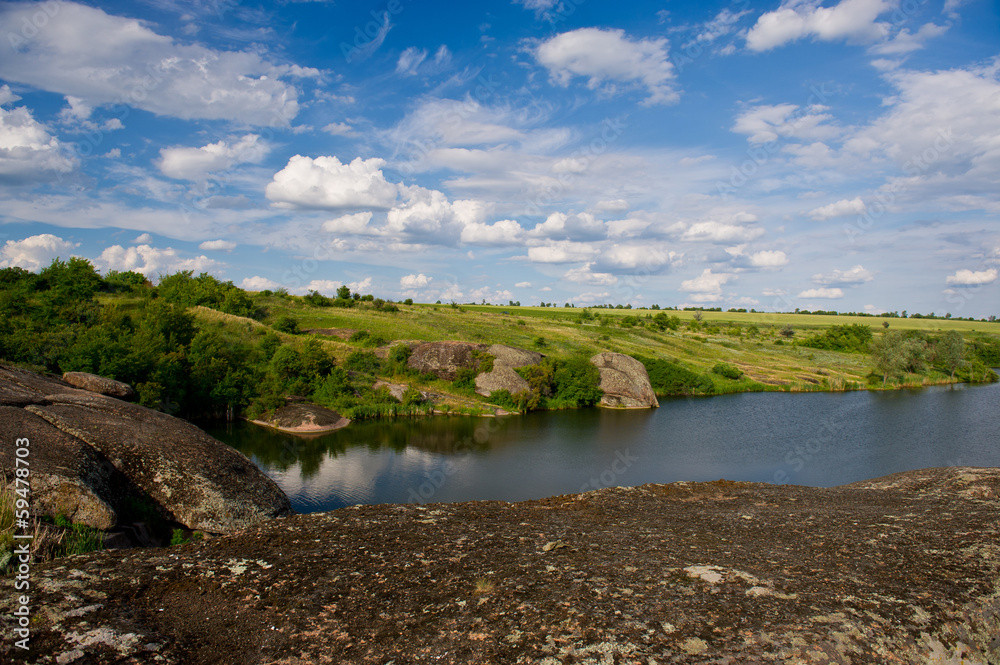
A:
(821, 439)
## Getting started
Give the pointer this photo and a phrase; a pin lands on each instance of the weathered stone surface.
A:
(100, 384)
(202, 482)
(900, 570)
(305, 419)
(68, 477)
(444, 359)
(624, 381)
(397, 390)
(503, 376)
(92, 452)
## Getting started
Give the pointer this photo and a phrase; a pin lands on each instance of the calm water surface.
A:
(821, 439)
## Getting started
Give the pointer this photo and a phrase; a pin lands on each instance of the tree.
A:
(698, 316)
(788, 331)
(344, 292)
(890, 354)
(951, 351)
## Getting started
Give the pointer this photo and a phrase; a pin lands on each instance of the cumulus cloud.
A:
(842, 208)
(27, 150)
(965, 277)
(324, 183)
(503, 232)
(822, 293)
(417, 281)
(257, 283)
(583, 226)
(196, 163)
(340, 129)
(353, 224)
(853, 276)
(35, 252)
(768, 259)
(608, 58)
(103, 59)
(151, 261)
(584, 275)
(218, 245)
(707, 283)
(562, 251)
(523, 285)
(852, 20)
(713, 231)
(143, 239)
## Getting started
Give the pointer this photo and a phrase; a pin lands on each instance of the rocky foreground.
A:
(902, 569)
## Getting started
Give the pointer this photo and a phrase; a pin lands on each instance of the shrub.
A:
(577, 382)
(670, 378)
(728, 371)
(852, 338)
(287, 324)
(364, 362)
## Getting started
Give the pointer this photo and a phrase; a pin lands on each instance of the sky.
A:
(769, 155)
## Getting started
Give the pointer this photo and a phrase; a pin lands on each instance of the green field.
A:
(556, 331)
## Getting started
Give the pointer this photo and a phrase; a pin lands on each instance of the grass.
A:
(765, 364)
(484, 586)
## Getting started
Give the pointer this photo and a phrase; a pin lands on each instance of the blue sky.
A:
(769, 155)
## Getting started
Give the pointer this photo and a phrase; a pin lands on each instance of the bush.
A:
(577, 382)
(852, 338)
(669, 378)
(364, 362)
(728, 371)
(287, 324)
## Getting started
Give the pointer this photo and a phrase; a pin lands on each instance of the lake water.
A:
(820, 439)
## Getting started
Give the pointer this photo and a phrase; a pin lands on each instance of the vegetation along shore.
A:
(196, 346)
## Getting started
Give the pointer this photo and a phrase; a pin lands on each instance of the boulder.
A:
(305, 419)
(68, 477)
(444, 359)
(92, 453)
(100, 384)
(503, 377)
(624, 381)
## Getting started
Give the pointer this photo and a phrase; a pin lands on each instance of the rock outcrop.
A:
(624, 381)
(100, 384)
(444, 359)
(305, 419)
(503, 377)
(91, 454)
(902, 569)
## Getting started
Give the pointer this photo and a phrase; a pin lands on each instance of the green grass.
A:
(765, 365)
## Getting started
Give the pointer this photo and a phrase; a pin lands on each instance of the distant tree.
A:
(698, 316)
(788, 331)
(344, 292)
(891, 354)
(951, 351)
(885, 324)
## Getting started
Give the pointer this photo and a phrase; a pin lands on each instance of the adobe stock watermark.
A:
(369, 37)
(622, 462)
(801, 454)
(886, 196)
(437, 478)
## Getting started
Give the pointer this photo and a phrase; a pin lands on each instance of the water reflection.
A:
(818, 439)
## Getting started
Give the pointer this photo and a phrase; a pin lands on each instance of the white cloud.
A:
(326, 287)
(842, 208)
(360, 286)
(824, 293)
(707, 282)
(967, 277)
(769, 122)
(257, 283)
(354, 224)
(27, 151)
(906, 42)
(151, 261)
(583, 275)
(417, 281)
(612, 205)
(218, 245)
(768, 259)
(570, 227)
(503, 232)
(340, 129)
(523, 285)
(326, 184)
(143, 239)
(607, 58)
(853, 20)
(720, 232)
(7, 96)
(428, 216)
(196, 163)
(103, 59)
(856, 275)
(409, 60)
(35, 252)
(562, 251)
